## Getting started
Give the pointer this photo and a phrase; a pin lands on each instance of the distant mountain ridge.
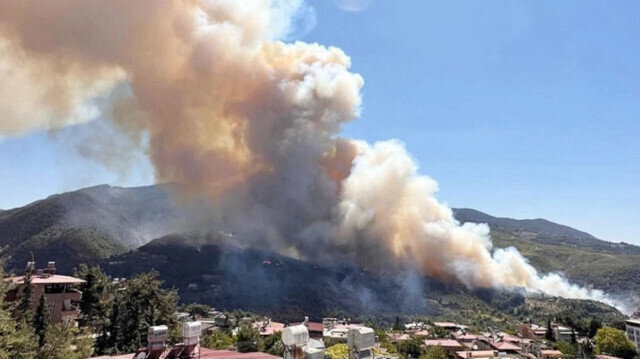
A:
(88, 224)
(103, 223)
(544, 231)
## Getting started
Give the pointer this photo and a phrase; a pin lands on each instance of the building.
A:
(505, 347)
(448, 344)
(532, 331)
(549, 354)
(207, 354)
(562, 333)
(316, 330)
(633, 331)
(268, 327)
(477, 354)
(59, 292)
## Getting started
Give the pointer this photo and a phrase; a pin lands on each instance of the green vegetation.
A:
(436, 352)
(338, 351)
(139, 304)
(247, 339)
(611, 341)
(410, 348)
(196, 310)
(30, 336)
(41, 321)
(219, 339)
(96, 294)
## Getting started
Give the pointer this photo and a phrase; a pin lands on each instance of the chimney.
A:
(51, 268)
(306, 320)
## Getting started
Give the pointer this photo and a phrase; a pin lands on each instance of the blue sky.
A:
(519, 109)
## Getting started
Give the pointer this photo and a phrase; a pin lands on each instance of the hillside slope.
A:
(216, 271)
(551, 247)
(85, 225)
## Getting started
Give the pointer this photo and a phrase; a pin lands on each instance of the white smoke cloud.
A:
(251, 122)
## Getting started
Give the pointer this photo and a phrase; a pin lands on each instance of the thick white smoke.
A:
(251, 122)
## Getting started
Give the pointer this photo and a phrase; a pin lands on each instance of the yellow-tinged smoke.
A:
(250, 121)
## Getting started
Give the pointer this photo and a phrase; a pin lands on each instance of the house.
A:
(606, 357)
(463, 337)
(448, 344)
(205, 354)
(633, 331)
(477, 354)
(505, 347)
(315, 329)
(548, 354)
(531, 331)
(398, 337)
(562, 333)
(268, 327)
(59, 292)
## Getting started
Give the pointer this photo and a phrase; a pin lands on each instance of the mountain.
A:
(551, 247)
(543, 231)
(85, 225)
(215, 270)
(106, 224)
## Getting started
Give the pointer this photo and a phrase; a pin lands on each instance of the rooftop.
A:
(445, 343)
(46, 279)
(633, 321)
(503, 346)
(208, 354)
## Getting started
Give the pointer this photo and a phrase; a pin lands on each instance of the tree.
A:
(574, 340)
(272, 344)
(247, 339)
(65, 342)
(549, 334)
(142, 303)
(614, 342)
(41, 320)
(411, 347)
(24, 303)
(217, 340)
(594, 325)
(95, 295)
(16, 341)
(397, 326)
(196, 310)
(566, 348)
(437, 352)
(338, 351)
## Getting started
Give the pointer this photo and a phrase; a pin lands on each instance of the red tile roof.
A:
(228, 354)
(313, 326)
(208, 354)
(504, 346)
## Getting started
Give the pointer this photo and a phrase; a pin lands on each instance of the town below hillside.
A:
(91, 315)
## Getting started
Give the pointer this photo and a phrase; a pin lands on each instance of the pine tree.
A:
(16, 341)
(95, 295)
(41, 320)
(549, 334)
(24, 304)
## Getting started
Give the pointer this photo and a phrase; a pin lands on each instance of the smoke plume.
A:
(234, 113)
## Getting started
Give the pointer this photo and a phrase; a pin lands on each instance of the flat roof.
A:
(46, 279)
(633, 321)
(207, 354)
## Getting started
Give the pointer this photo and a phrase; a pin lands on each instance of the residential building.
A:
(477, 354)
(549, 354)
(562, 333)
(448, 344)
(59, 292)
(633, 331)
(531, 331)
